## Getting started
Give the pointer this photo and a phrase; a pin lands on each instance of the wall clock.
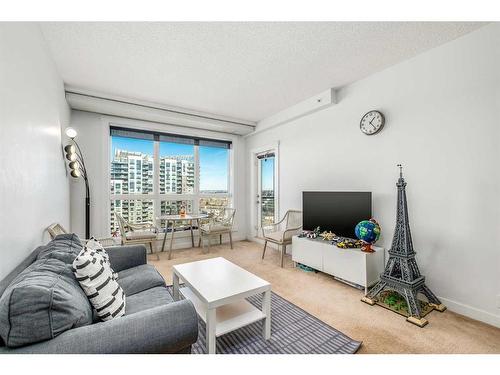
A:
(372, 122)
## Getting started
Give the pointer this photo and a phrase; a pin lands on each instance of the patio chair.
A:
(217, 226)
(145, 233)
(281, 233)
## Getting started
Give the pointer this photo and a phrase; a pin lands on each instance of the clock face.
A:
(372, 122)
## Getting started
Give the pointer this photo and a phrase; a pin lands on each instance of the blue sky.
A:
(213, 160)
(131, 144)
(267, 167)
(213, 168)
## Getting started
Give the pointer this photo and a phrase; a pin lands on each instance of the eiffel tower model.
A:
(401, 273)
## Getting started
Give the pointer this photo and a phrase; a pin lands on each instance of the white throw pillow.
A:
(98, 281)
(95, 245)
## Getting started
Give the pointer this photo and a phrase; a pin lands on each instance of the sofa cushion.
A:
(20, 268)
(137, 279)
(43, 301)
(148, 299)
(64, 247)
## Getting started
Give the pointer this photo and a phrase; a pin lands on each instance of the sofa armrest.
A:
(124, 257)
(170, 328)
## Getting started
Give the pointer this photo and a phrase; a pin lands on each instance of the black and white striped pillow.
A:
(95, 245)
(97, 279)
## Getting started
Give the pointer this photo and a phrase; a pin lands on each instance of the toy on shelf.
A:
(311, 234)
(328, 236)
(368, 231)
(347, 243)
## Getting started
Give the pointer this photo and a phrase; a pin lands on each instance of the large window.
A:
(214, 170)
(158, 174)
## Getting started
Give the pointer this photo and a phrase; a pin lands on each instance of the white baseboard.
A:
(471, 312)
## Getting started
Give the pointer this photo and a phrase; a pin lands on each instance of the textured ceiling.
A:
(244, 70)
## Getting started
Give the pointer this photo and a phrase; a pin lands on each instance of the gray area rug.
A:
(293, 331)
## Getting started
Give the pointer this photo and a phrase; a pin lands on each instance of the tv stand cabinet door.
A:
(308, 252)
(347, 264)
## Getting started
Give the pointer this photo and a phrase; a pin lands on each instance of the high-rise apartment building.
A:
(132, 173)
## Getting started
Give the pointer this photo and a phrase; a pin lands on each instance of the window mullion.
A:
(196, 197)
(156, 181)
(230, 180)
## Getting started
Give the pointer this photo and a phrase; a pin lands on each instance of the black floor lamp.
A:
(77, 169)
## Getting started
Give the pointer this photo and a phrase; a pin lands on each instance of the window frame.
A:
(158, 197)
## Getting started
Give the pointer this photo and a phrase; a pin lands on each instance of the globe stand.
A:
(367, 248)
(367, 232)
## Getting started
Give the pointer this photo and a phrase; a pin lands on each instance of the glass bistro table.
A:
(175, 219)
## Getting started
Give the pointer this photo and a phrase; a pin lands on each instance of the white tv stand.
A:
(352, 266)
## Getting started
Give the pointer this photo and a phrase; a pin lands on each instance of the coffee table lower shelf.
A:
(228, 317)
(220, 301)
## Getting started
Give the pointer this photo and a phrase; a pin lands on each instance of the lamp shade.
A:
(70, 149)
(71, 133)
(70, 152)
(71, 157)
(74, 165)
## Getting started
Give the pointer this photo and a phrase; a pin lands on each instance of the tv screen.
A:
(334, 211)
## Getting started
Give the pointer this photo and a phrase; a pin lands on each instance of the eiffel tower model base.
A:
(409, 291)
(421, 322)
(439, 307)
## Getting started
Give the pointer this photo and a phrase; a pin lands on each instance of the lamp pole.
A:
(78, 169)
(87, 191)
(87, 210)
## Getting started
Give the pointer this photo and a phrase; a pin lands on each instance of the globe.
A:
(368, 231)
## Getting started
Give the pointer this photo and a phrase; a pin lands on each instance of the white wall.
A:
(442, 110)
(93, 137)
(33, 184)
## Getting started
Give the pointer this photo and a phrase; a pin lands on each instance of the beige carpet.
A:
(339, 305)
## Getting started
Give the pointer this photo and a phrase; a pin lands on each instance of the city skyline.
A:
(213, 160)
(132, 173)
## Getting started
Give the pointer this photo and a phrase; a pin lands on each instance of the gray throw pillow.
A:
(64, 247)
(42, 302)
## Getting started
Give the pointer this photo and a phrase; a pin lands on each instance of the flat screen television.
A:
(336, 211)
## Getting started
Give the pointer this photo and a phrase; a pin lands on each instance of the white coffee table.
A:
(218, 289)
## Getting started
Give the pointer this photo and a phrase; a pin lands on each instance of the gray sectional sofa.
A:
(44, 310)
